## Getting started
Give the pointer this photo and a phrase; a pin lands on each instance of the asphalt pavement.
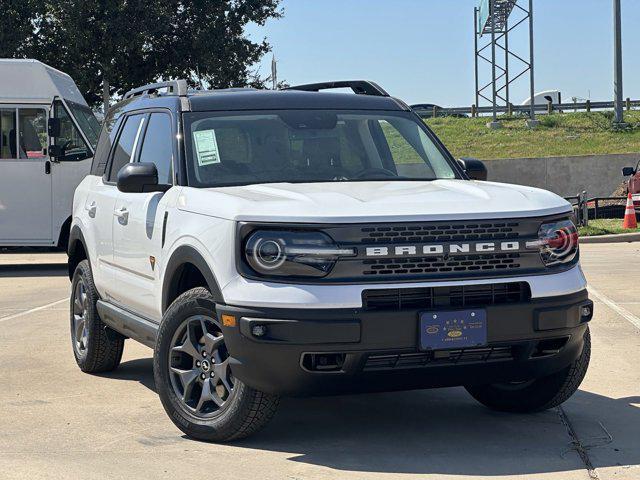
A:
(58, 423)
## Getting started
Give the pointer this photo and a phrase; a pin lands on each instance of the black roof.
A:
(250, 99)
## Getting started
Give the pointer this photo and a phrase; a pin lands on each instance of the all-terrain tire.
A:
(539, 394)
(244, 412)
(96, 347)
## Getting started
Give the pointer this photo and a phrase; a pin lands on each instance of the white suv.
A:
(270, 243)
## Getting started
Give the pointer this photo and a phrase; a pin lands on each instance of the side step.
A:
(128, 324)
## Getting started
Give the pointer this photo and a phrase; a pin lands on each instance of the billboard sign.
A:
(483, 15)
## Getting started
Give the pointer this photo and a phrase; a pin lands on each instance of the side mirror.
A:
(54, 127)
(56, 151)
(475, 169)
(139, 178)
(628, 171)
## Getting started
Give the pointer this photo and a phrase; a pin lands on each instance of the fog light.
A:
(586, 311)
(259, 330)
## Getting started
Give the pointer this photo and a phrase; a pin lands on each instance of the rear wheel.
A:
(194, 379)
(537, 394)
(96, 347)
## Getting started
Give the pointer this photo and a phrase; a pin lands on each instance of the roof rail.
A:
(360, 87)
(174, 87)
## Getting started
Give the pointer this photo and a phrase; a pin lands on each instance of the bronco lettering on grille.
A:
(437, 249)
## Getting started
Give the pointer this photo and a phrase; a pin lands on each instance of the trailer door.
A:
(25, 176)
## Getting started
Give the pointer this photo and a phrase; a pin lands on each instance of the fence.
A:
(586, 209)
(430, 111)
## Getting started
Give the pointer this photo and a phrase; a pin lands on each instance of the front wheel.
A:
(194, 379)
(537, 394)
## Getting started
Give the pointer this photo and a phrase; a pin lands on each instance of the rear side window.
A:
(127, 143)
(157, 146)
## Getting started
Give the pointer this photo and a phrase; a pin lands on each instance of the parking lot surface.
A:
(58, 423)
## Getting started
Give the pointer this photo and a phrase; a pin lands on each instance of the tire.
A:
(96, 347)
(193, 377)
(539, 394)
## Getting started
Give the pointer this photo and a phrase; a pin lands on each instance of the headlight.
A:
(557, 241)
(292, 253)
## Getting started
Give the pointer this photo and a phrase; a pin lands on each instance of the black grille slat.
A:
(459, 296)
(386, 361)
(428, 233)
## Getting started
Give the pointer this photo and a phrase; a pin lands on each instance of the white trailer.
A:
(48, 136)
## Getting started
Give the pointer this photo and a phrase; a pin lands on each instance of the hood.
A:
(359, 202)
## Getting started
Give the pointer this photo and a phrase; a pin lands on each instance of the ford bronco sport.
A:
(299, 242)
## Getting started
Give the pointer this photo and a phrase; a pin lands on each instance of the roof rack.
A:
(174, 87)
(360, 87)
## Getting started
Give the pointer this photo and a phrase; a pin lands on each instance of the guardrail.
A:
(431, 111)
(593, 208)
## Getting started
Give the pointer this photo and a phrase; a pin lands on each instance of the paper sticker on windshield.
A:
(206, 147)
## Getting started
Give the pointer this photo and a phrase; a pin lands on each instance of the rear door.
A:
(137, 230)
(101, 203)
(25, 176)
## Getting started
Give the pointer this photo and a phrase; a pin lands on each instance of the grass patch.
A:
(558, 135)
(604, 226)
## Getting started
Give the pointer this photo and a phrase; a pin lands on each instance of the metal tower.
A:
(498, 19)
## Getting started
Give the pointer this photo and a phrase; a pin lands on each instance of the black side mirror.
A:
(475, 169)
(628, 171)
(139, 178)
(54, 127)
(56, 151)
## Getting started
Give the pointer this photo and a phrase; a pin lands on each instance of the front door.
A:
(138, 224)
(25, 176)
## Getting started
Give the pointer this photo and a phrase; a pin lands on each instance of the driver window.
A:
(8, 133)
(73, 146)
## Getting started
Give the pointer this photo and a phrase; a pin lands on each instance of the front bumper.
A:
(321, 351)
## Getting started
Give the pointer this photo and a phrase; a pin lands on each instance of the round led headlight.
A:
(269, 253)
(286, 253)
(557, 242)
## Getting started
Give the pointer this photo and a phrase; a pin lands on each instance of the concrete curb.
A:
(615, 238)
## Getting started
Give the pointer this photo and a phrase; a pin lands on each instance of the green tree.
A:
(111, 46)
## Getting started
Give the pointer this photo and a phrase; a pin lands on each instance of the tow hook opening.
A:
(552, 346)
(323, 362)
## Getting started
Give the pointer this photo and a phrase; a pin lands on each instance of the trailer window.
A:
(32, 133)
(8, 133)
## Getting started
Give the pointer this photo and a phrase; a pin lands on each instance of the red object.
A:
(629, 214)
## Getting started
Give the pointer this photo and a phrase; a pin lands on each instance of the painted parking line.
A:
(37, 309)
(623, 312)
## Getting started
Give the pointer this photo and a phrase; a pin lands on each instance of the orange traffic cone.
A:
(630, 214)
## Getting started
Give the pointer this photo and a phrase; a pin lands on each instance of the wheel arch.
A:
(185, 262)
(76, 249)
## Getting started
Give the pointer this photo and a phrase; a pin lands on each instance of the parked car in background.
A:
(48, 135)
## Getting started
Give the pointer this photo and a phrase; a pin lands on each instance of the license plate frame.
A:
(452, 329)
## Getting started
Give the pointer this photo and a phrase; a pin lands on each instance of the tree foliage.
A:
(128, 43)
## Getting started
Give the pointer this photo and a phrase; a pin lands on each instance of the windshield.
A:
(86, 120)
(309, 146)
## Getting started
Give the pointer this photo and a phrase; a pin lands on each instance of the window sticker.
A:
(206, 147)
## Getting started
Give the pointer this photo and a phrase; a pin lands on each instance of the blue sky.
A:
(422, 50)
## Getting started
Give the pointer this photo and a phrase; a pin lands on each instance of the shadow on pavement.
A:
(440, 431)
(36, 270)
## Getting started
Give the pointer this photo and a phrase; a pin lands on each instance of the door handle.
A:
(123, 215)
(91, 209)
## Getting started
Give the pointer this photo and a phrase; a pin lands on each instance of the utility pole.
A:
(617, 61)
(532, 122)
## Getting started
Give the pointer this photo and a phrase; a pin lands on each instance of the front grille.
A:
(459, 263)
(385, 361)
(459, 296)
(429, 233)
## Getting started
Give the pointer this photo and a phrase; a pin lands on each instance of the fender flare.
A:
(75, 237)
(188, 254)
